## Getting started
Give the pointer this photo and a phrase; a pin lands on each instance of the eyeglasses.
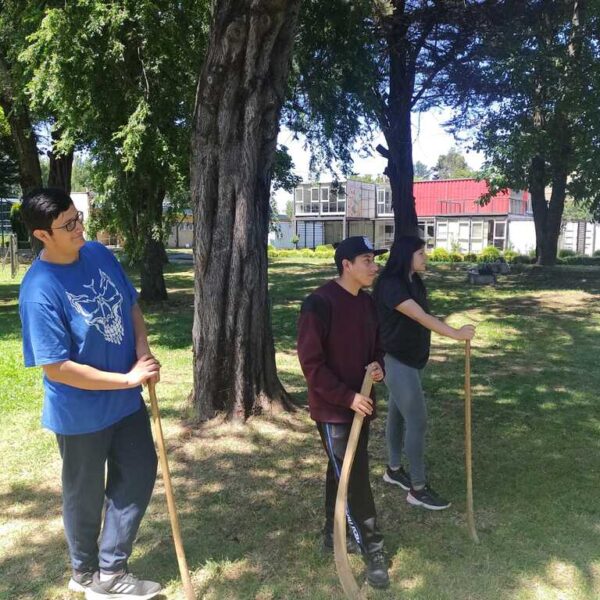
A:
(70, 224)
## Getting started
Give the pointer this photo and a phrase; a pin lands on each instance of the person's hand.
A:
(376, 371)
(363, 405)
(145, 369)
(466, 332)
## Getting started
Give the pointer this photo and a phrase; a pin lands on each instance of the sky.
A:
(429, 141)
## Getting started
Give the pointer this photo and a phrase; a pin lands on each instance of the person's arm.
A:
(319, 377)
(142, 347)
(89, 378)
(411, 309)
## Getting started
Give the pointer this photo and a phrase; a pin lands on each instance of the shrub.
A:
(596, 253)
(489, 254)
(510, 255)
(324, 248)
(439, 255)
(522, 259)
(580, 259)
(564, 252)
(455, 257)
(470, 257)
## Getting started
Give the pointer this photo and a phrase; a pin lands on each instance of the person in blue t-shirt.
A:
(83, 326)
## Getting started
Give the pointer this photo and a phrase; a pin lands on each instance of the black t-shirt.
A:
(402, 337)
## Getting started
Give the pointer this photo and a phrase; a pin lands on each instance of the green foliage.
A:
(563, 252)
(522, 259)
(489, 254)
(16, 223)
(283, 171)
(596, 253)
(510, 255)
(470, 257)
(581, 259)
(439, 255)
(129, 101)
(455, 257)
(9, 174)
(452, 166)
(421, 171)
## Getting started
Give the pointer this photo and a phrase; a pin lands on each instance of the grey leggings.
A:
(406, 419)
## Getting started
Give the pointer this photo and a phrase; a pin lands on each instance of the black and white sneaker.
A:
(377, 570)
(80, 580)
(398, 477)
(426, 498)
(122, 585)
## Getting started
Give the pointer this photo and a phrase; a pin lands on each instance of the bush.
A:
(470, 257)
(324, 248)
(510, 255)
(455, 257)
(489, 254)
(564, 252)
(580, 259)
(522, 259)
(596, 253)
(439, 255)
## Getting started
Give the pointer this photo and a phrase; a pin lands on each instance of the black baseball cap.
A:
(354, 246)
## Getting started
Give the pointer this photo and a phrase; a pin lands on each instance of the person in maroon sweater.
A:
(338, 338)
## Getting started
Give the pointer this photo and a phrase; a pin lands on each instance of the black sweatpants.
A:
(360, 515)
(127, 449)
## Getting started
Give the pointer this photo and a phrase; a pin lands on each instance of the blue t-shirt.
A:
(80, 312)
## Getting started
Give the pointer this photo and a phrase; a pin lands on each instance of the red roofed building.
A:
(449, 212)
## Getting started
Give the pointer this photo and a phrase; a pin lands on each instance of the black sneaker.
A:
(377, 570)
(351, 546)
(426, 498)
(80, 580)
(123, 585)
(398, 477)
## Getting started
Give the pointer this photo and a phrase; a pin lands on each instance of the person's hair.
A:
(399, 262)
(340, 265)
(41, 206)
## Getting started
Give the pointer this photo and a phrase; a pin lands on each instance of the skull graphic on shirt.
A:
(101, 308)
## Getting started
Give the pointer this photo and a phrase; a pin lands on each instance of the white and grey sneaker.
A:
(122, 585)
(80, 581)
(426, 498)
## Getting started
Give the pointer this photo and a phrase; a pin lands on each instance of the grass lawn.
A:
(250, 497)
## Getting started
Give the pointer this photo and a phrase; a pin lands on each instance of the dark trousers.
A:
(360, 515)
(127, 452)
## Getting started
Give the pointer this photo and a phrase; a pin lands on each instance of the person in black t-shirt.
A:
(405, 329)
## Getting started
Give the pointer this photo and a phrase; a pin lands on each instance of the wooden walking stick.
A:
(340, 551)
(468, 450)
(164, 466)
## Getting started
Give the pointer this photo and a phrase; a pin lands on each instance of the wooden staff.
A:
(164, 466)
(340, 551)
(468, 449)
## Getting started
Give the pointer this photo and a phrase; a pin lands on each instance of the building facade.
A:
(449, 213)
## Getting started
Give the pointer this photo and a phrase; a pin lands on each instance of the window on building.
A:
(442, 231)
(325, 207)
(384, 202)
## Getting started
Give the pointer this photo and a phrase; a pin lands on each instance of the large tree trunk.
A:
(61, 166)
(539, 205)
(17, 115)
(396, 126)
(240, 94)
(400, 173)
(152, 279)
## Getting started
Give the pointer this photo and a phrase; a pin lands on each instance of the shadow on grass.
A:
(250, 498)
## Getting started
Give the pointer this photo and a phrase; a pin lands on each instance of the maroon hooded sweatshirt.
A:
(338, 336)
